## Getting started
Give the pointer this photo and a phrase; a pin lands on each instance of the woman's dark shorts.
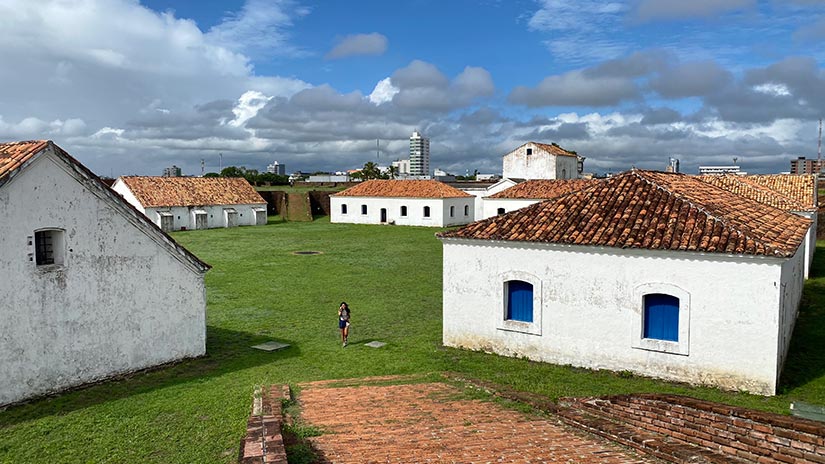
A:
(342, 324)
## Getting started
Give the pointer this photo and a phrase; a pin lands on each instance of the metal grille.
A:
(44, 247)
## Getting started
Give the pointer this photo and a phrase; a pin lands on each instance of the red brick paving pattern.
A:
(434, 422)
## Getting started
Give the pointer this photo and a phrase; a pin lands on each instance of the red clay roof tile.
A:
(191, 191)
(650, 210)
(544, 189)
(788, 192)
(553, 149)
(403, 189)
(14, 154)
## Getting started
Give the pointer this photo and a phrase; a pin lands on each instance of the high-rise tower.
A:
(419, 155)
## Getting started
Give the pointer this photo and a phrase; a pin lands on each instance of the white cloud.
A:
(383, 91)
(259, 29)
(359, 44)
(774, 89)
(248, 106)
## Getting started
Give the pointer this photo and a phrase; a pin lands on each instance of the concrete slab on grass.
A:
(271, 346)
(375, 344)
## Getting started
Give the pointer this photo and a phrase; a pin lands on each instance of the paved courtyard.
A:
(437, 422)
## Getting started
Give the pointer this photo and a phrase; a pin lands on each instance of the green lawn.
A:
(195, 411)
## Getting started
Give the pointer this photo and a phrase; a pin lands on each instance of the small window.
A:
(529, 151)
(519, 301)
(426, 211)
(404, 211)
(452, 211)
(343, 209)
(564, 173)
(363, 209)
(500, 211)
(661, 317)
(466, 210)
(48, 247)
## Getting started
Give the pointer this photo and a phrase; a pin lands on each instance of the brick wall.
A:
(264, 443)
(746, 434)
(319, 202)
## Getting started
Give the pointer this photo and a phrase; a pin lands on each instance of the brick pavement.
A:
(437, 422)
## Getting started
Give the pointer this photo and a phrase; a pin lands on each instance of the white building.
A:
(402, 202)
(718, 170)
(402, 167)
(185, 203)
(90, 287)
(276, 168)
(527, 193)
(480, 190)
(419, 155)
(658, 274)
(795, 194)
(542, 161)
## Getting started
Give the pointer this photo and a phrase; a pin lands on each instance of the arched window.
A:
(343, 208)
(48, 247)
(426, 211)
(452, 211)
(519, 300)
(661, 317)
(564, 173)
(500, 211)
(466, 210)
(363, 209)
(403, 210)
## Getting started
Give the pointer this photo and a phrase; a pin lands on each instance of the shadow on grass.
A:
(226, 351)
(806, 355)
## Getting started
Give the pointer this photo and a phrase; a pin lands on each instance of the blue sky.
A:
(130, 87)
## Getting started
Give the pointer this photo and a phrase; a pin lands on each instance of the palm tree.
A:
(370, 171)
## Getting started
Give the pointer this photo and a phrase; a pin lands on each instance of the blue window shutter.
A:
(661, 318)
(519, 301)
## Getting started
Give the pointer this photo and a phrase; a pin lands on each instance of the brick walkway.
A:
(435, 422)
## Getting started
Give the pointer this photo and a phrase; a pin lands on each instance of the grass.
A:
(296, 188)
(195, 411)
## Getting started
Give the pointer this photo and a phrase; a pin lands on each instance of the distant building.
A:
(419, 155)
(402, 202)
(542, 161)
(527, 193)
(326, 178)
(173, 171)
(672, 165)
(802, 165)
(183, 203)
(402, 167)
(488, 177)
(443, 176)
(276, 168)
(716, 170)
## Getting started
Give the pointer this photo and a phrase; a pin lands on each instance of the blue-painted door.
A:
(519, 301)
(661, 317)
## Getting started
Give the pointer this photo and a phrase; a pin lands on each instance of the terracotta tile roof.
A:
(403, 189)
(650, 210)
(544, 189)
(14, 154)
(191, 191)
(784, 191)
(554, 149)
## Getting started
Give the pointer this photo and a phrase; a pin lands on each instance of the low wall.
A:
(746, 434)
(264, 443)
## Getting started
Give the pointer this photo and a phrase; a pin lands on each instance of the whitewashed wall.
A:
(481, 193)
(588, 306)
(810, 240)
(184, 216)
(439, 210)
(491, 205)
(539, 165)
(120, 302)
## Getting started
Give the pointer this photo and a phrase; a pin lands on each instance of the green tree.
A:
(211, 174)
(370, 171)
(232, 171)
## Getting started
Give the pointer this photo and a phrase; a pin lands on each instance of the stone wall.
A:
(264, 443)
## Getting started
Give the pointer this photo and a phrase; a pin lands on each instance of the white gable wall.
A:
(439, 210)
(120, 302)
(538, 165)
(588, 308)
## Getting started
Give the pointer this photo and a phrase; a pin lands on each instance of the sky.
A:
(131, 87)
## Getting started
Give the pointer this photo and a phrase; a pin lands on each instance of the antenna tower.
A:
(201, 167)
(377, 150)
(819, 148)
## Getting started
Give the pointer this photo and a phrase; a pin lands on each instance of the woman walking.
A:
(343, 321)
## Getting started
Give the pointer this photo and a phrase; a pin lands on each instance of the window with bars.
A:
(48, 247)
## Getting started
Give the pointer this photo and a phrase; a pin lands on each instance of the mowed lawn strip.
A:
(258, 290)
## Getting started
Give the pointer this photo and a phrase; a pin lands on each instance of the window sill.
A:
(662, 346)
(530, 328)
(47, 268)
